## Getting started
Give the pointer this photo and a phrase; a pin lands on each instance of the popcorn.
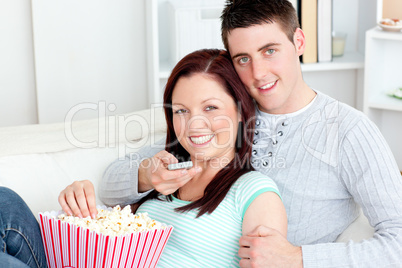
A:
(116, 238)
(115, 221)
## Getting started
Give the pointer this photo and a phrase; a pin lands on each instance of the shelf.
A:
(350, 60)
(384, 102)
(377, 33)
(165, 69)
(347, 68)
(382, 71)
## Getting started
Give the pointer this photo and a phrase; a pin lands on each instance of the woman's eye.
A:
(243, 60)
(270, 51)
(180, 111)
(210, 108)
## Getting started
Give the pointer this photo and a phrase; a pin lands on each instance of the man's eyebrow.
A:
(261, 48)
(268, 45)
(239, 55)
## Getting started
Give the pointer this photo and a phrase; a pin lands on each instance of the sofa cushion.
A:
(39, 178)
(38, 161)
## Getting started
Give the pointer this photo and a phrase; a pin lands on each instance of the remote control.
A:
(181, 165)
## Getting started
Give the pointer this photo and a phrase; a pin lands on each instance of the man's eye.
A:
(243, 60)
(180, 111)
(210, 108)
(270, 51)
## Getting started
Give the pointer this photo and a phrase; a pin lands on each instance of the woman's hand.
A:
(153, 174)
(78, 199)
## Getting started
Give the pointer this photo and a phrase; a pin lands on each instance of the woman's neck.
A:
(194, 189)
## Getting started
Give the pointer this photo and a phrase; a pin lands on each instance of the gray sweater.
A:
(327, 160)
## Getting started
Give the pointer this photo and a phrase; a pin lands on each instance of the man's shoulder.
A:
(340, 112)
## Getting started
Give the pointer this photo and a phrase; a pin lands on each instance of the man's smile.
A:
(267, 87)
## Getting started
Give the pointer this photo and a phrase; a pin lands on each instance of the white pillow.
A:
(39, 178)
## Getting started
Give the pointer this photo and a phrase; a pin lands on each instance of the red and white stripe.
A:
(69, 246)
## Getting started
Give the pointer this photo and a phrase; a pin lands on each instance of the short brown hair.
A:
(246, 13)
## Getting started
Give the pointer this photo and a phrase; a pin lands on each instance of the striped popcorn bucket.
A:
(67, 245)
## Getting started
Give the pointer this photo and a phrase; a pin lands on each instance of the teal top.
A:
(211, 240)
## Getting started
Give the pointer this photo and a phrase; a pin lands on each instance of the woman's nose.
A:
(198, 121)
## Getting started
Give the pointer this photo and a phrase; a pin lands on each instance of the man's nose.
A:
(259, 69)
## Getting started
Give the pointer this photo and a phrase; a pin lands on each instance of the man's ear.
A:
(299, 41)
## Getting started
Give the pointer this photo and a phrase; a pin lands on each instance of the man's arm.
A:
(127, 181)
(369, 171)
(119, 184)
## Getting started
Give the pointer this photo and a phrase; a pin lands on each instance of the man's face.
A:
(268, 65)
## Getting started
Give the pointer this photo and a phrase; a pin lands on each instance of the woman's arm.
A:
(264, 235)
(266, 210)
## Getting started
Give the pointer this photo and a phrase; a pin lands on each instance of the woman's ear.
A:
(299, 41)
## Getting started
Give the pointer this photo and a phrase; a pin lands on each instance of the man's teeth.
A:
(201, 139)
(268, 85)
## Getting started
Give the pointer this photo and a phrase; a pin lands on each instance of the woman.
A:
(205, 102)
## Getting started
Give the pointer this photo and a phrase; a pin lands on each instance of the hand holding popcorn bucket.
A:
(116, 238)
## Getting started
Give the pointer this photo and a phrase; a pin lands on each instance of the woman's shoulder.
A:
(248, 187)
(254, 175)
(254, 179)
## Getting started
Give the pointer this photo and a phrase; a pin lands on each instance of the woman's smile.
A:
(201, 139)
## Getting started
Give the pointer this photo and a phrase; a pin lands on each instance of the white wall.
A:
(61, 53)
(17, 75)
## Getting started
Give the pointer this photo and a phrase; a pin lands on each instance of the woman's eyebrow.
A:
(211, 99)
(178, 103)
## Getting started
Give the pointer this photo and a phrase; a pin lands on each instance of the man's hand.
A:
(153, 174)
(266, 247)
(78, 199)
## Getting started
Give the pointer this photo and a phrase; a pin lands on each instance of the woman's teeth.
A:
(201, 139)
(268, 85)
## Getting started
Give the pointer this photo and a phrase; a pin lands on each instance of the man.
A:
(326, 158)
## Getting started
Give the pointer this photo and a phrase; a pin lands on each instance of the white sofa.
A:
(38, 161)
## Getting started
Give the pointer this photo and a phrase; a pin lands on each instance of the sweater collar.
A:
(300, 115)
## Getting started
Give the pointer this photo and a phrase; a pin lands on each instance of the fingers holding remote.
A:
(181, 165)
(153, 173)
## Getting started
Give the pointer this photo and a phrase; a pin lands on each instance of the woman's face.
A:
(205, 118)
